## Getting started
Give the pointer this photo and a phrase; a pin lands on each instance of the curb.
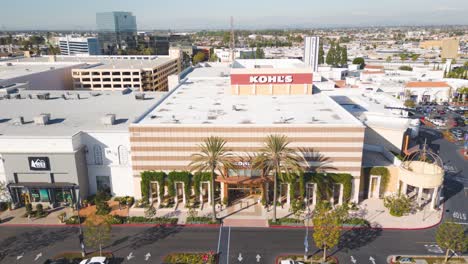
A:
(284, 255)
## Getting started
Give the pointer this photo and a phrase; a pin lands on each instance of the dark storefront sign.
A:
(39, 163)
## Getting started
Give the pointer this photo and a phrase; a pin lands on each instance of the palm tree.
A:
(277, 157)
(213, 156)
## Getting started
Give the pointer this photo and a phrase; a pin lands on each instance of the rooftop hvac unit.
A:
(18, 121)
(9, 64)
(140, 96)
(43, 96)
(108, 119)
(42, 119)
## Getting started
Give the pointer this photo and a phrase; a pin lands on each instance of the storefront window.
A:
(63, 196)
(44, 195)
(35, 197)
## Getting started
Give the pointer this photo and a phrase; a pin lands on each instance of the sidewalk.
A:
(251, 213)
(16, 217)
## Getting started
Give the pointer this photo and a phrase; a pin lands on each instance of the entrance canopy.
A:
(42, 185)
(243, 180)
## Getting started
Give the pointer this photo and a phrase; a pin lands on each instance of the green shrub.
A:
(192, 258)
(405, 68)
(39, 210)
(102, 208)
(116, 220)
(3, 206)
(398, 205)
(356, 221)
(149, 176)
(74, 220)
(130, 201)
(29, 208)
(101, 197)
(286, 221)
(156, 220)
(200, 220)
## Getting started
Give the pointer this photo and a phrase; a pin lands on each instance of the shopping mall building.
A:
(257, 99)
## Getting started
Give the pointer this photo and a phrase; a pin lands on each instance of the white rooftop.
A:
(97, 61)
(12, 69)
(209, 101)
(269, 63)
(72, 115)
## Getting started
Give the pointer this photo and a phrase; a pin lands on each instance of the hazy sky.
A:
(185, 14)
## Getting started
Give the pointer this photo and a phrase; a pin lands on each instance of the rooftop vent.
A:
(108, 119)
(43, 96)
(174, 120)
(42, 119)
(18, 121)
(140, 96)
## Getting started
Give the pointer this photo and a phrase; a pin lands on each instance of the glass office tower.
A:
(116, 30)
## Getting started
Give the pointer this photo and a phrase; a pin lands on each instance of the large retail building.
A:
(212, 103)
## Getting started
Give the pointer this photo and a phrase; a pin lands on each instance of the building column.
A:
(435, 194)
(404, 188)
(314, 196)
(420, 193)
(288, 195)
(223, 191)
(340, 198)
(355, 189)
(184, 199)
(158, 193)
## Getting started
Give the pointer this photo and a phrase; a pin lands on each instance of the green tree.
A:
(415, 57)
(403, 57)
(276, 156)
(97, 231)
(148, 51)
(337, 55)
(259, 53)
(199, 57)
(444, 60)
(398, 205)
(389, 59)
(213, 57)
(330, 60)
(321, 58)
(451, 236)
(213, 157)
(326, 228)
(344, 56)
(360, 61)
(409, 103)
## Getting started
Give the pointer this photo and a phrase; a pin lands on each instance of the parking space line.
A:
(229, 242)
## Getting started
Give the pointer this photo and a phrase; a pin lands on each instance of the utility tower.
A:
(232, 43)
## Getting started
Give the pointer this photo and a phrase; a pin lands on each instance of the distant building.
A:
(76, 46)
(311, 52)
(116, 30)
(427, 91)
(449, 49)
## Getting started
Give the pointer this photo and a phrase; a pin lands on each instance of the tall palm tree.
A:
(277, 157)
(213, 156)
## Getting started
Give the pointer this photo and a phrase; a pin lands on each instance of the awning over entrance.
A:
(243, 180)
(43, 185)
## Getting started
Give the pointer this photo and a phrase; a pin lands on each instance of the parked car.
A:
(457, 133)
(441, 112)
(445, 104)
(95, 260)
(452, 108)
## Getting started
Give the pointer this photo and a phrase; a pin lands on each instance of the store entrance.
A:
(237, 192)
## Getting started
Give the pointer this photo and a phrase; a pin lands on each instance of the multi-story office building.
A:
(116, 30)
(311, 52)
(79, 46)
(146, 73)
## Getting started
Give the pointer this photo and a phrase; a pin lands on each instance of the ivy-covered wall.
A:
(149, 176)
(200, 177)
(179, 176)
(384, 177)
(325, 182)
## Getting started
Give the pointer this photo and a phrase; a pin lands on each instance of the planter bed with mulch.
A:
(191, 258)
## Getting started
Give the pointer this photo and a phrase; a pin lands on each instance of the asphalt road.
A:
(249, 245)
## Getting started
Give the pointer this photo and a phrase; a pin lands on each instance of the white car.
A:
(95, 260)
(291, 262)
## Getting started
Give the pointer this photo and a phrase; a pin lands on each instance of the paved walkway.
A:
(17, 217)
(250, 213)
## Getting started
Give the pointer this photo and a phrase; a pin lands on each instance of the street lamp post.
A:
(80, 236)
(306, 238)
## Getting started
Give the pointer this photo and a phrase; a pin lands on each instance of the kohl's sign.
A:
(250, 79)
(271, 79)
(39, 163)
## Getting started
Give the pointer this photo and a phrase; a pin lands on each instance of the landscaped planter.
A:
(201, 221)
(286, 222)
(192, 258)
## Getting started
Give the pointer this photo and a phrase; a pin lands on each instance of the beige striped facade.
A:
(169, 147)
